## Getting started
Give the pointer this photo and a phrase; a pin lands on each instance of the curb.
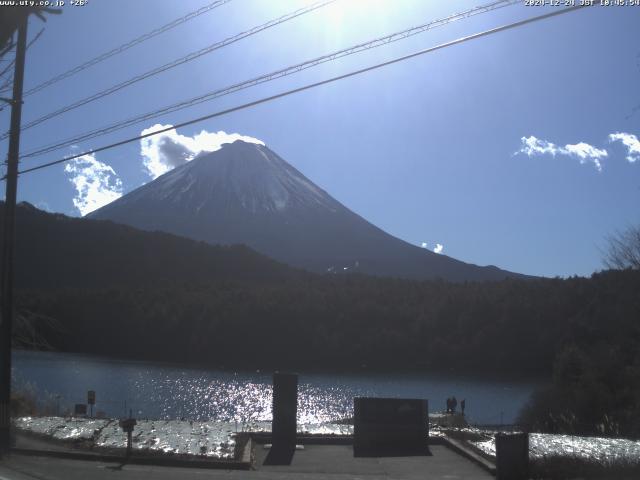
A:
(159, 461)
(310, 439)
(466, 452)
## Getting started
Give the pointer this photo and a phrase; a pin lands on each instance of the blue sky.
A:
(430, 149)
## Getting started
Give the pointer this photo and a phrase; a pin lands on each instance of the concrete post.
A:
(283, 426)
(512, 456)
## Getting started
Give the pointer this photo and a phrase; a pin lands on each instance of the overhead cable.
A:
(126, 46)
(311, 85)
(377, 42)
(173, 64)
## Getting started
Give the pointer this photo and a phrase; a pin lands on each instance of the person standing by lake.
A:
(462, 405)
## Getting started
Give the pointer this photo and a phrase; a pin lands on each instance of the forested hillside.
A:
(114, 290)
(349, 322)
(53, 251)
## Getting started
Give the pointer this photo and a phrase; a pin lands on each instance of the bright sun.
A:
(349, 13)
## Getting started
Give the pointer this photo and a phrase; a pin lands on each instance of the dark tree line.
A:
(349, 322)
(595, 391)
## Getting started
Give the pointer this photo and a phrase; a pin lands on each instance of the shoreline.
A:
(467, 375)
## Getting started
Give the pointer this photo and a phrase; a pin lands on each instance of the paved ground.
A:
(322, 461)
(34, 443)
(42, 468)
(315, 462)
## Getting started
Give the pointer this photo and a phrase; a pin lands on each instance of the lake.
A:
(161, 391)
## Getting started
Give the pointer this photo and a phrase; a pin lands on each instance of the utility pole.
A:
(9, 241)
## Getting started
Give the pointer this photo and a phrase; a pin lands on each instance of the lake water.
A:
(160, 391)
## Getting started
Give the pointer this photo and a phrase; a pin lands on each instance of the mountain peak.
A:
(240, 178)
(241, 144)
(245, 193)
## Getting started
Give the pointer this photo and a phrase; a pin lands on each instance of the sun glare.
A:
(353, 14)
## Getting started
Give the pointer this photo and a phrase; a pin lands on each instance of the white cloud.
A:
(582, 151)
(96, 183)
(585, 153)
(438, 249)
(630, 141)
(533, 146)
(167, 150)
(423, 244)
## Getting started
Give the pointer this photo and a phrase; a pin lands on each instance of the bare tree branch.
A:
(624, 249)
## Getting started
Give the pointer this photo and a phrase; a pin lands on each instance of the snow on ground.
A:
(213, 439)
(171, 436)
(60, 428)
(217, 439)
(603, 450)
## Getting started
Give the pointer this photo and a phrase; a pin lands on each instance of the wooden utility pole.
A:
(6, 326)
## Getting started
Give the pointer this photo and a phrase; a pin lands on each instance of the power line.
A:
(272, 76)
(12, 61)
(126, 46)
(312, 85)
(7, 84)
(175, 63)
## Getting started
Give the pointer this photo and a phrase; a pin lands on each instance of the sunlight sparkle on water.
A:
(239, 401)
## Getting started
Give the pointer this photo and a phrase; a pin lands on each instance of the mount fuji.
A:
(245, 193)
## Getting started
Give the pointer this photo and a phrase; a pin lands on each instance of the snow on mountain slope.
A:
(245, 193)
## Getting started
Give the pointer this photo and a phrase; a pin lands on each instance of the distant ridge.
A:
(56, 251)
(245, 193)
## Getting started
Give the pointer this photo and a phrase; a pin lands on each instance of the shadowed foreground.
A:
(315, 461)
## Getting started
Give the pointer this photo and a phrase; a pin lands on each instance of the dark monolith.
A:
(385, 427)
(283, 427)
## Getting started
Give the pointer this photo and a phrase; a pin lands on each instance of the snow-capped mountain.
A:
(245, 193)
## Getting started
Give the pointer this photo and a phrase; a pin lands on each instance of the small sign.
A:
(91, 397)
(127, 424)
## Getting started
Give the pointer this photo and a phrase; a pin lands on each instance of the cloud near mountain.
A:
(167, 150)
(96, 183)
